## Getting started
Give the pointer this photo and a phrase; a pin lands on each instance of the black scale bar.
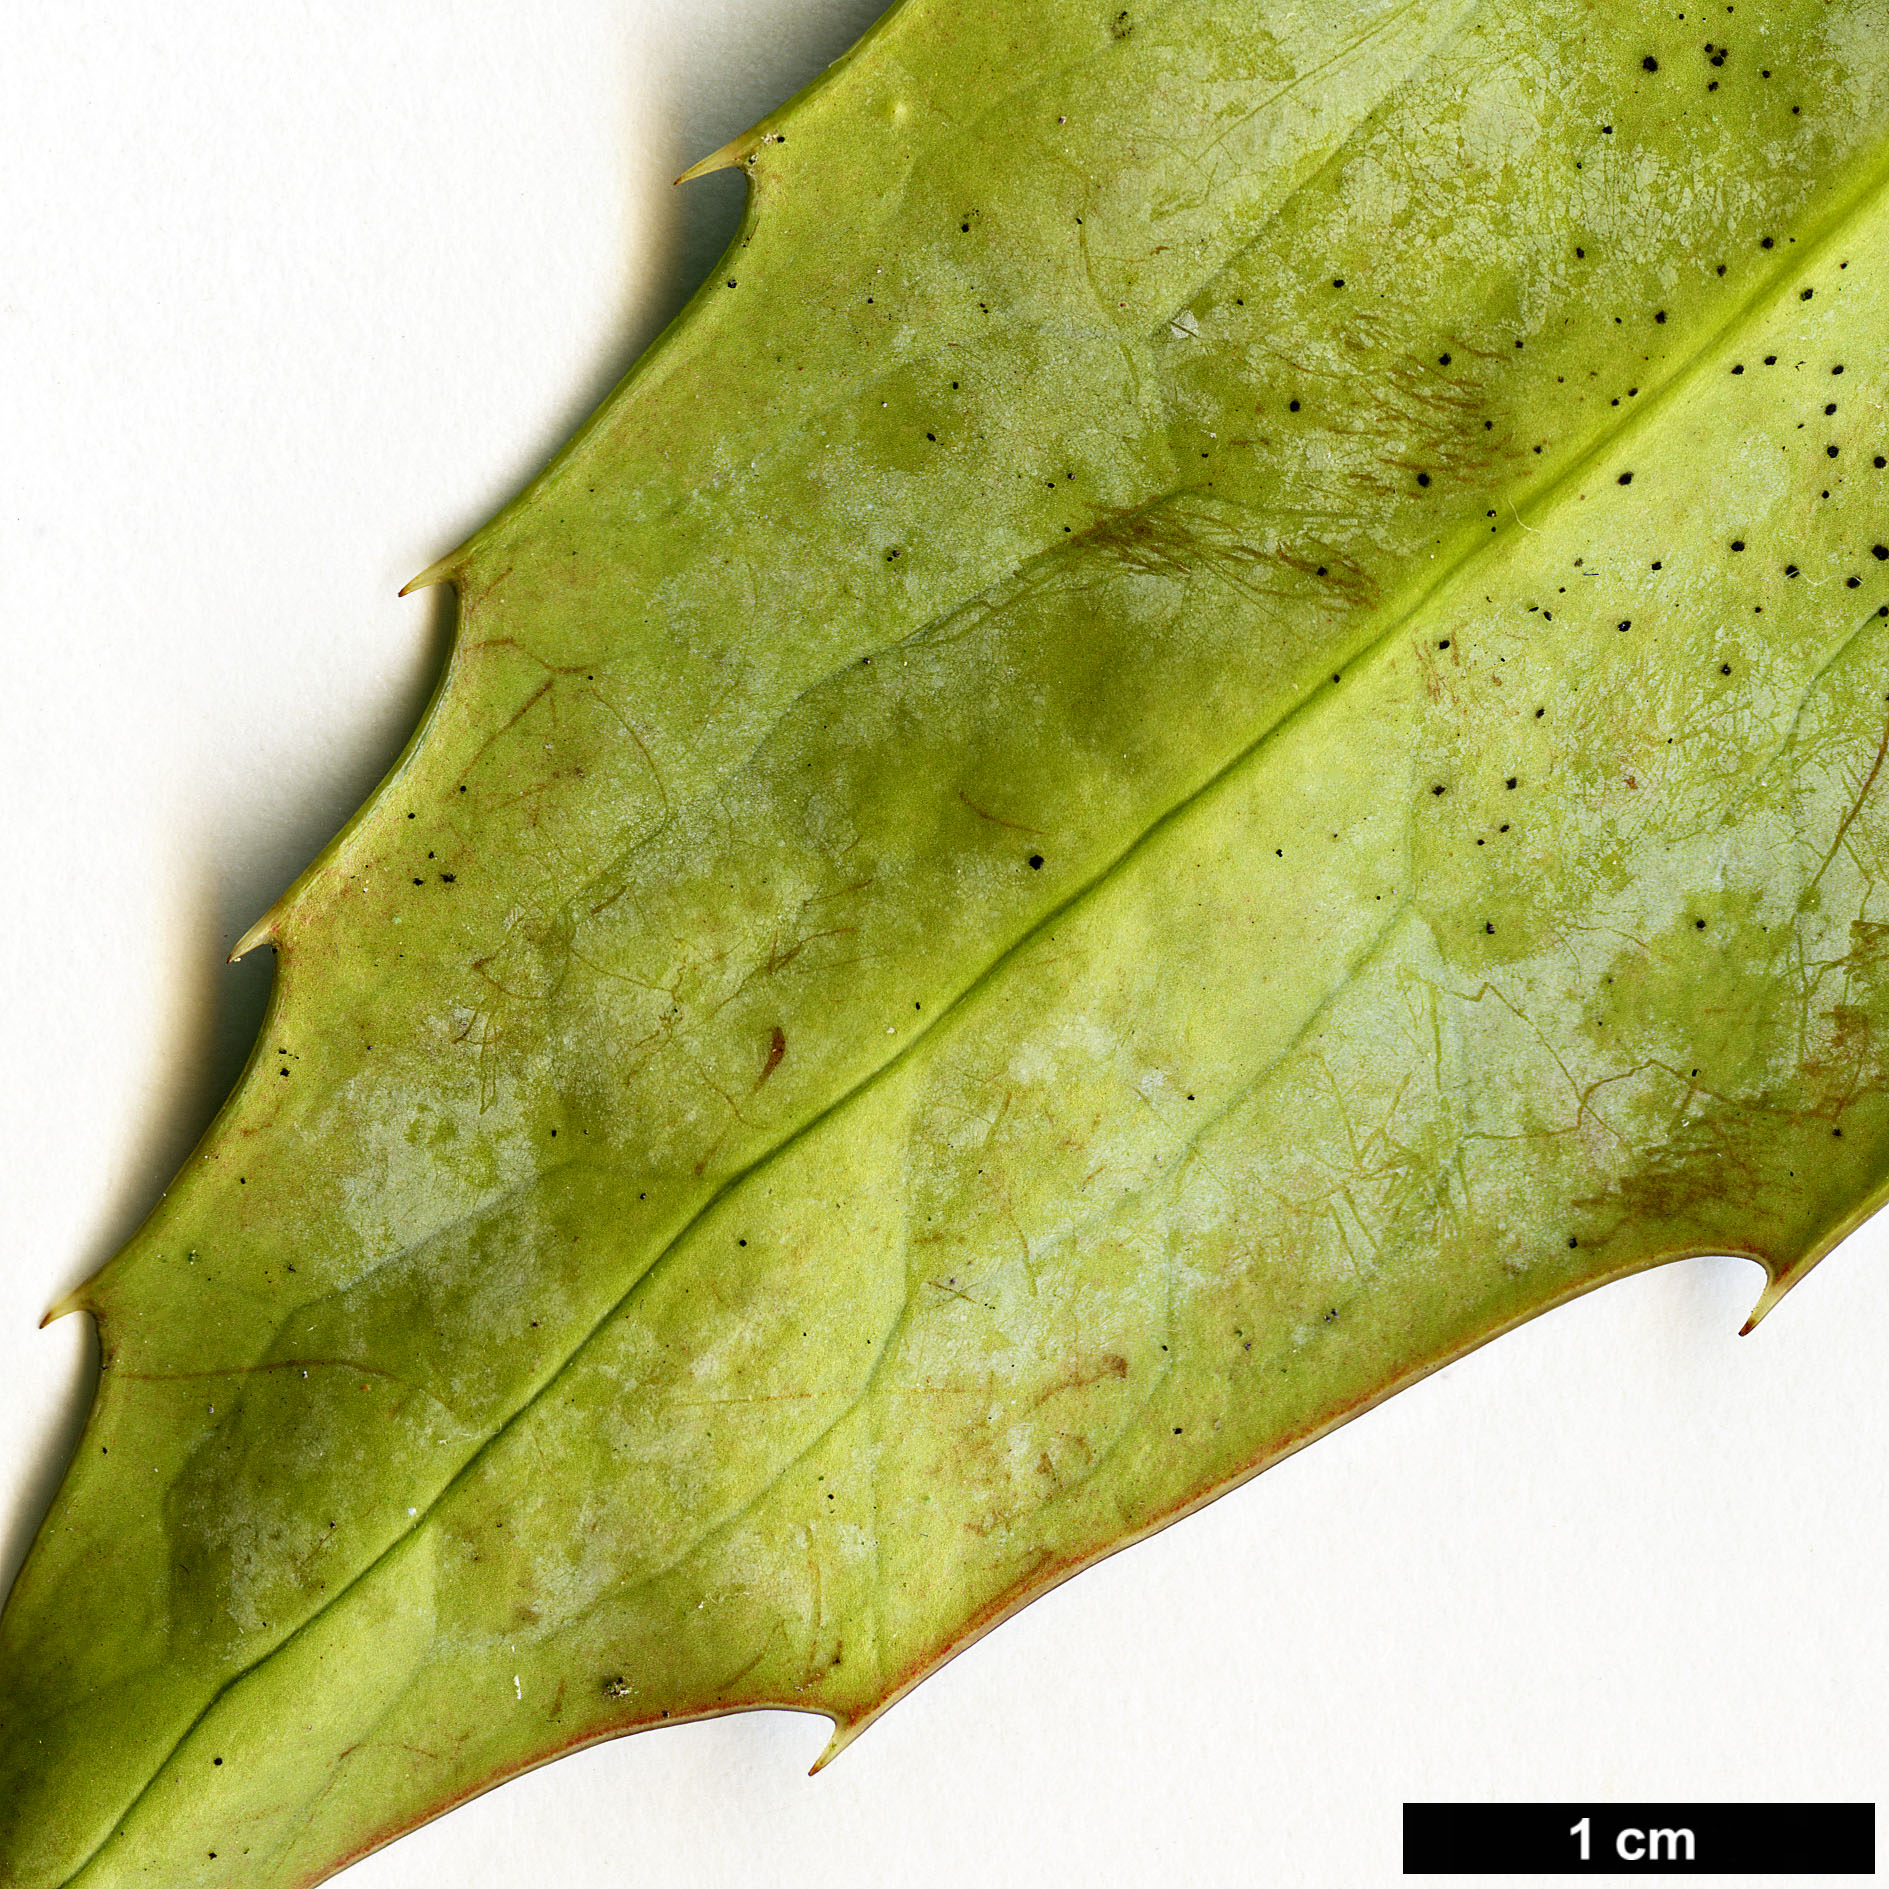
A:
(1639, 1839)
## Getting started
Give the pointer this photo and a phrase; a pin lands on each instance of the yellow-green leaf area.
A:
(1210, 727)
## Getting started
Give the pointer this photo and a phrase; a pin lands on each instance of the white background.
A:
(291, 297)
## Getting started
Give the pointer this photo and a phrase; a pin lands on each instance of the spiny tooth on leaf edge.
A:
(441, 571)
(736, 151)
(263, 931)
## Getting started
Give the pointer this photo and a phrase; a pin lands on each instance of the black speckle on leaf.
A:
(1648, 64)
(1626, 478)
(1036, 862)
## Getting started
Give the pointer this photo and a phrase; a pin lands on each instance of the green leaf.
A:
(898, 1028)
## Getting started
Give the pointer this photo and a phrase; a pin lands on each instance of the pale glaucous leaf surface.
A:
(1210, 727)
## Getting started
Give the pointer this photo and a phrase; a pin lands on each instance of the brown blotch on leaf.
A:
(776, 1049)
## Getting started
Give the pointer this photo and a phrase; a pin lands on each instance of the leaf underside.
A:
(1210, 727)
